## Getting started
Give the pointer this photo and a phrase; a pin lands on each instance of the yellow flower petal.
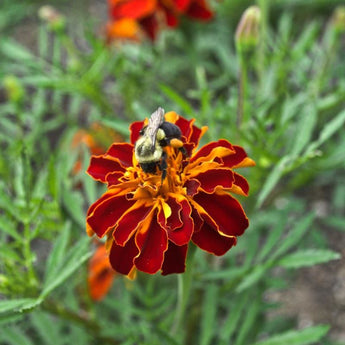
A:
(247, 162)
(166, 209)
(171, 116)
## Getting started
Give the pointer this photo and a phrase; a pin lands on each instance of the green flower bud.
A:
(13, 88)
(54, 19)
(338, 19)
(248, 29)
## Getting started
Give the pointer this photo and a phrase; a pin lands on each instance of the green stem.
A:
(242, 91)
(264, 9)
(28, 256)
(184, 282)
(329, 42)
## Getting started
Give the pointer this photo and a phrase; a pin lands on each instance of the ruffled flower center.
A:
(150, 186)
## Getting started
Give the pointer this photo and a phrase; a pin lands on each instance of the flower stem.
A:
(242, 91)
(184, 282)
(264, 7)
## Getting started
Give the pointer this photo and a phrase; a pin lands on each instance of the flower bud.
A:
(248, 29)
(54, 19)
(338, 19)
(13, 89)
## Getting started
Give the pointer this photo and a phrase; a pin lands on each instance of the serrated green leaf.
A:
(8, 227)
(8, 205)
(76, 256)
(10, 318)
(73, 202)
(58, 253)
(253, 277)
(16, 51)
(232, 321)
(14, 304)
(337, 222)
(272, 240)
(303, 337)
(18, 305)
(306, 125)
(247, 323)
(15, 336)
(165, 336)
(229, 274)
(308, 257)
(120, 126)
(272, 180)
(328, 130)
(45, 328)
(294, 236)
(174, 96)
(8, 253)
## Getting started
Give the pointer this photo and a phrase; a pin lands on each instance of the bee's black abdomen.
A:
(171, 131)
(149, 167)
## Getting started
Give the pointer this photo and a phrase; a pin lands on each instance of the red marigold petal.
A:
(196, 135)
(150, 25)
(174, 259)
(123, 152)
(213, 178)
(106, 212)
(171, 20)
(114, 178)
(212, 241)
(242, 183)
(191, 132)
(135, 128)
(152, 244)
(104, 197)
(197, 220)
(184, 125)
(226, 212)
(182, 235)
(122, 258)
(198, 10)
(129, 222)
(192, 186)
(101, 166)
(182, 5)
(236, 158)
(189, 147)
(132, 8)
(207, 149)
(174, 221)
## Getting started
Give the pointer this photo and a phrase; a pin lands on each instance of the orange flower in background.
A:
(150, 220)
(100, 274)
(97, 138)
(151, 15)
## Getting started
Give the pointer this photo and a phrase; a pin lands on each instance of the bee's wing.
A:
(155, 120)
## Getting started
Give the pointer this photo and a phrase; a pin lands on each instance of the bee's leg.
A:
(183, 151)
(163, 165)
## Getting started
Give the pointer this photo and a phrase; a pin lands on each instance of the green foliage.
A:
(283, 102)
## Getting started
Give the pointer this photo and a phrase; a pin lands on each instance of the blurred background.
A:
(69, 88)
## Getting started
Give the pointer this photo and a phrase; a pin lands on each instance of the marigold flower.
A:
(100, 274)
(97, 138)
(150, 15)
(150, 222)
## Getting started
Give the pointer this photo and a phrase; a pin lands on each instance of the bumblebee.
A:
(149, 148)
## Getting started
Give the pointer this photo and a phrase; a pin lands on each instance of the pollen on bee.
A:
(176, 143)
